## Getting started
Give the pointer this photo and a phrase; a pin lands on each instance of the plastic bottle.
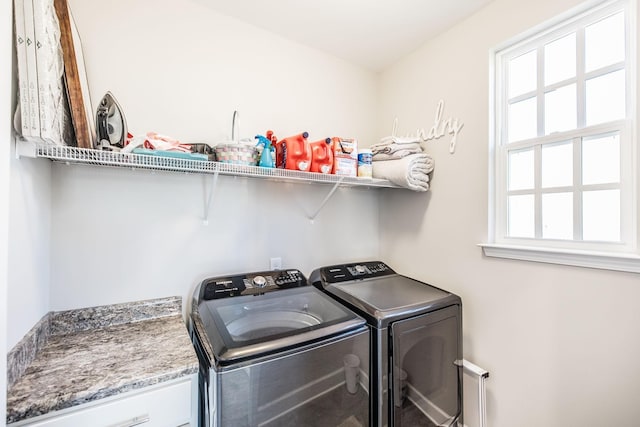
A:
(266, 158)
(294, 152)
(365, 166)
(322, 156)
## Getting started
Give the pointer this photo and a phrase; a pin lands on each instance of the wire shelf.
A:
(85, 156)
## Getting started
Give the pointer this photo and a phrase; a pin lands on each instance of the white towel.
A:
(393, 147)
(394, 155)
(402, 140)
(411, 172)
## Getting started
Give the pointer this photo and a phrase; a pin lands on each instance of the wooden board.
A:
(77, 97)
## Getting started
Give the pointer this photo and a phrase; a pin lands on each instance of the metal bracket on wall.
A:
(133, 161)
(24, 148)
(207, 206)
(326, 199)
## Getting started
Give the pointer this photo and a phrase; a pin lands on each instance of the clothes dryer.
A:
(416, 342)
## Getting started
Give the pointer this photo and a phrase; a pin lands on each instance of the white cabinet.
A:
(169, 404)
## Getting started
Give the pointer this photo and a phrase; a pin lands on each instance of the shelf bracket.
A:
(212, 190)
(25, 148)
(326, 199)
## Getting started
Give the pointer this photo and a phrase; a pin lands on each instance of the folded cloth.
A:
(395, 155)
(155, 141)
(411, 172)
(398, 140)
(393, 147)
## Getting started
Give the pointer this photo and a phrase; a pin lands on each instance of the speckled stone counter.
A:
(89, 354)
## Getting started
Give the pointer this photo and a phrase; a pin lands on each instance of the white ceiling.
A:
(371, 33)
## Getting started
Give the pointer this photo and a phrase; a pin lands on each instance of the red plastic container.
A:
(322, 156)
(294, 152)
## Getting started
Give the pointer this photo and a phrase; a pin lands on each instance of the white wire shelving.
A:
(84, 156)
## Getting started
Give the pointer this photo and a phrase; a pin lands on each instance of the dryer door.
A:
(426, 376)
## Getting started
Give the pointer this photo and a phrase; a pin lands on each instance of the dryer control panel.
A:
(345, 272)
(251, 283)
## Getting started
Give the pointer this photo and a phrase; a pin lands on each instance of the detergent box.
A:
(345, 156)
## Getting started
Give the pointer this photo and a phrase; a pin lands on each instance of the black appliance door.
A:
(321, 385)
(425, 369)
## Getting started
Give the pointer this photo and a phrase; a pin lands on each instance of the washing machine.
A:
(416, 342)
(274, 351)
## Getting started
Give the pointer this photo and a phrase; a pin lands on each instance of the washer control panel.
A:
(346, 272)
(251, 283)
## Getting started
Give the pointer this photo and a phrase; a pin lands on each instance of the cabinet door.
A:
(159, 406)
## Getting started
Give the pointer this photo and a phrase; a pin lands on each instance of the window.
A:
(564, 171)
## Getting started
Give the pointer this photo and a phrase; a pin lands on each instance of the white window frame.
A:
(622, 256)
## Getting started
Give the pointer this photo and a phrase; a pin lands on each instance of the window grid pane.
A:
(521, 170)
(604, 42)
(521, 216)
(557, 216)
(605, 98)
(560, 59)
(522, 72)
(557, 165)
(545, 177)
(560, 109)
(601, 159)
(601, 215)
(523, 120)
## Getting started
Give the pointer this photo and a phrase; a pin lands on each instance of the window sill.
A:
(606, 261)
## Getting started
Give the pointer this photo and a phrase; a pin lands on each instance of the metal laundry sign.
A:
(440, 128)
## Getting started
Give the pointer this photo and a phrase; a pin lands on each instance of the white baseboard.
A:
(432, 411)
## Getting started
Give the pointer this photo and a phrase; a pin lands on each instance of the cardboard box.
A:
(345, 156)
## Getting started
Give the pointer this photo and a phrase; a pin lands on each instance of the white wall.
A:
(28, 204)
(560, 342)
(121, 235)
(6, 66)
(29, 242)
(29, 227)
(180, 68)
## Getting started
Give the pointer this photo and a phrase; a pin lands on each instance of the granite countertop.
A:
(93, 353)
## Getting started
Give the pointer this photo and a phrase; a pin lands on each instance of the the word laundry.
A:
(441, 127)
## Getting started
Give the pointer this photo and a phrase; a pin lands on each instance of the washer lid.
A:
(391, 297)
(251, 326)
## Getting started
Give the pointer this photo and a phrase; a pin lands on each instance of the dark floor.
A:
(411, 416)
